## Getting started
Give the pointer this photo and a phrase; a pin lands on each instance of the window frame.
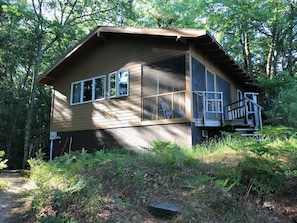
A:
(117, 93)
(81, 82)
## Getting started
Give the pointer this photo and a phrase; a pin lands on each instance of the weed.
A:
(2, 161)
(3, 185)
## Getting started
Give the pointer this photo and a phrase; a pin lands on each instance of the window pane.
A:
(123, 77)
(87, 90)
(100, 88)
(112, 85)
(76, 92)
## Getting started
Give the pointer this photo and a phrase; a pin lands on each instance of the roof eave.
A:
(216, 53)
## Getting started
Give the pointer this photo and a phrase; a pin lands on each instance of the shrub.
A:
(2, 161)
(3, 184)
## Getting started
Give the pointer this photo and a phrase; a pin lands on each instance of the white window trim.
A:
(117, 93)
(109, 87)
(82, 90)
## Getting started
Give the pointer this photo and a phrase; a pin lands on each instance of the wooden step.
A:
(244, 129)
(251, 135)
(238, 122)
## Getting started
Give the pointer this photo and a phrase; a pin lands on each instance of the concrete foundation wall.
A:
(132, 138)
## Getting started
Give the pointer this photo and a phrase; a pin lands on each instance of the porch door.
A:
(210, 87)
(240, 101)
(252, 108)
(239, 95)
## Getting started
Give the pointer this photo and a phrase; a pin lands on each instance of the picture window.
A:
(88, 90)
(94, 89)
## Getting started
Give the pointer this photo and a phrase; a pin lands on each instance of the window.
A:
(118, 84)
(88, 90)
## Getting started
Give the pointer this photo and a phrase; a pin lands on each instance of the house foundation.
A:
(136, 139)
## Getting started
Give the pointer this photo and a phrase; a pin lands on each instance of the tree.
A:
(169, 14)
(57, 23)
(262, 32)
(14, 75)
(33, 35)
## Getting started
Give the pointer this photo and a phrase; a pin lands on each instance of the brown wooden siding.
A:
(117, 53)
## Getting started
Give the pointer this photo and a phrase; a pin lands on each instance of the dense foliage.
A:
(260, 34)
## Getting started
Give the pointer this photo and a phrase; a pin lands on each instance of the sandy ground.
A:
(12, 210)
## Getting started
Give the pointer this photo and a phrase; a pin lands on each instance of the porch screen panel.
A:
(161, 81)
(198, 84)
(224, 86)
(198, 76)
(210, 81)
(210, 86)
(149, 81)
(149, 108)
(179, 105)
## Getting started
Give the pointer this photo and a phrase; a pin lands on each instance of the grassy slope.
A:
(223, 181)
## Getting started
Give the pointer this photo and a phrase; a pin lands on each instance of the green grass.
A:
(117, 186)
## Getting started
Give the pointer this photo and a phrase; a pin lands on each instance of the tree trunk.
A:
(31, 104)
(247, 53)
(269, 72)
(11, 137)
(290, 21)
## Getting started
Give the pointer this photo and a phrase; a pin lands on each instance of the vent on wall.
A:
(204, 133)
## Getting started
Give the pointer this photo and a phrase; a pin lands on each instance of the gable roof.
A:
(200, 39)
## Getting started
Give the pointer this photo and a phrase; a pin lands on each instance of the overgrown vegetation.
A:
(211, 182)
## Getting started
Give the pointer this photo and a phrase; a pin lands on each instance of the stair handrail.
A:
(38, 143)
(237, 112)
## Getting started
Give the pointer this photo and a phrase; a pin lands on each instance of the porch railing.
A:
(208, 105)
(39, 143)
(164, 106)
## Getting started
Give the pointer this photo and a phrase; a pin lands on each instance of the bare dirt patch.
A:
(12, 210)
